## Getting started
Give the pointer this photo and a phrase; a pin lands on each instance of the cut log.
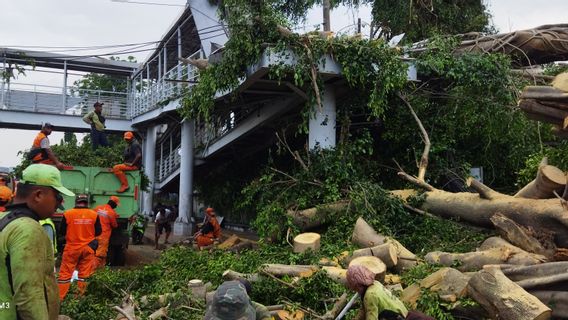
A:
(517, 235)
(447, 282)
(386, 252)
(560, 82)
(159, 314)
(542, 214)
(410, 295)
(230, 242)
(365, 236)
(314, 217)
(540, 270)
(545, 282)
(233, 275)
(503, 299)
(535, 107)
(472, 261)
(548, 179)
(543, 93)
(374, 264)
(556, 300)
(336, 274)
(517, 255)
(280, 270)
(307, 241)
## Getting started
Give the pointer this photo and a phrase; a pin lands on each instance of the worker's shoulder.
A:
(22, 226)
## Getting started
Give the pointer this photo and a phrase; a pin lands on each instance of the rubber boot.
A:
(123, 182)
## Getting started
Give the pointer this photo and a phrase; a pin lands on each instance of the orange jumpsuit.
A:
(81, 226)
(206, 239)
(108, 217)
(41, 157)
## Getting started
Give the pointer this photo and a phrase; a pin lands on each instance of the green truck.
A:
(100, 184)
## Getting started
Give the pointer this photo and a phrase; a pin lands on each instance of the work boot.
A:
(123, 182)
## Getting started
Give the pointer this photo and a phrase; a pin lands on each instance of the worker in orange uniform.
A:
(108, 217)
(132, 161)
(209, 231)
(41, 151)
(5, 197)
(80, 225)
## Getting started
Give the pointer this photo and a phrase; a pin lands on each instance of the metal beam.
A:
(33, 120)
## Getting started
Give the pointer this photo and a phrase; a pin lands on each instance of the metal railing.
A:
(50, 99)
(151, 94)
(168, 164)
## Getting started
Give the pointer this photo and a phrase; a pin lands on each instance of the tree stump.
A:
(548, 179)
(386, 252)
(504, 299)
(307, 241)
(374, 264)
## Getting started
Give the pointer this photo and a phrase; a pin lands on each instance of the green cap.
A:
(45, 175)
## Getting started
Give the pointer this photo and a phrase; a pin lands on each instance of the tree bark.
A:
(386, 252)
(365, 236)
(535, 107)
(518, 236)
(556, 300)
(503, 299)
(541, 270)
(314, 217)
(336, 274)
(541, 214)
(337, 307)
(307, 241)
(280, 270)
(548, 179)
(233, 275)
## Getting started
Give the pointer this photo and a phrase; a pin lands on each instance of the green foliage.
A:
(557, 156)
(423, 19)
(97, 81)
(554, 69)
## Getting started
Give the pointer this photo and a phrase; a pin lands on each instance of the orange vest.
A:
(37, 145)
(107, 217)
(80, 227)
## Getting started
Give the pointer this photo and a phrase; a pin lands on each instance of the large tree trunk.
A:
(503, 299)
(314, 217)
(519, 236)
(280, 270)
(547, 214)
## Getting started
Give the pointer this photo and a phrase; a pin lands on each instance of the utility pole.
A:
(326, 20)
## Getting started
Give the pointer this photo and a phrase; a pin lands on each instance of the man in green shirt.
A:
(96, 120)
(27, 283)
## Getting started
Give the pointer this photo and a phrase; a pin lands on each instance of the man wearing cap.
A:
(108, 217)
(96, 120)
(41, 151)
(230, 302)
(132, 161)
(27, 284)
(80, 226)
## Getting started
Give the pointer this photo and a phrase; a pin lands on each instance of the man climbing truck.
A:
(100, 185)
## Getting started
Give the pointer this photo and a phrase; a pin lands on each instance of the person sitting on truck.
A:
(108, 218)
(5, 197)
(132, 161)
(210, 230)
(162, 223)
(80, 226)
(97, 122)
(41, 151)
(28, 289)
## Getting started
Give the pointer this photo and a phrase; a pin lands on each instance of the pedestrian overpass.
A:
(173, 147)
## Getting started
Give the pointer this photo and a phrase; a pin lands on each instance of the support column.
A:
(149, 167)
(322, 122)
(183, 225)
(64, 91)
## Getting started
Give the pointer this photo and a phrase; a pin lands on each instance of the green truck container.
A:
(100, 184)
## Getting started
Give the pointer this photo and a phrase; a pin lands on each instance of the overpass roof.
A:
(77, 63)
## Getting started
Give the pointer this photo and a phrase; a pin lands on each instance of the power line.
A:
(150, 3)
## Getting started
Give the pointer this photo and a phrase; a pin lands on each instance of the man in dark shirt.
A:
(96, 120)
(132, 161)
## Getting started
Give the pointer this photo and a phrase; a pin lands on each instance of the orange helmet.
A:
(128, 135)
(115, 199)
(5, 194)
(210, 211)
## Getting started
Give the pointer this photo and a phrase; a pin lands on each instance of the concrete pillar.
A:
(149, 167)
(183, 224)
(322, 122)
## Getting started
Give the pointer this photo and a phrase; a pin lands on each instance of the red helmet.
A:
(5, 194)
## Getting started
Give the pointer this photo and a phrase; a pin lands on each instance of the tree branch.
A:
(424, 159)
(419, 183)
(484, 191)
